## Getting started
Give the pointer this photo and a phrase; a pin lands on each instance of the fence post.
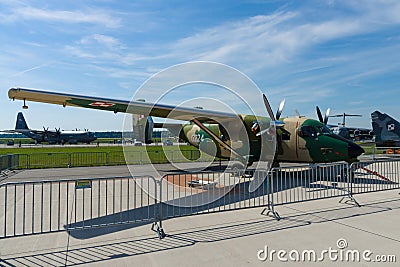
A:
(157, 225)
(349, 181)
(269, 210)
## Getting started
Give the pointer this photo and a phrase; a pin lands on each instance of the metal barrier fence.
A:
(372, 176)
(209, 192)
(58, 205)
(303, 183)
(49, 206)
(8, 162)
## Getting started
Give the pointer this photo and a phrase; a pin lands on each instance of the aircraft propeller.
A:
(271, 114)
(268, 107)
(297, 113)
(323, 120)
(279, 111)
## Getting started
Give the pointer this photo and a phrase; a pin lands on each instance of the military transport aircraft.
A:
(299, 139)
(52, 137)
(386, 130)
(350, 133)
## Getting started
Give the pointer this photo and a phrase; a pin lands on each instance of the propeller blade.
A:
(319, 114)
(268, 107)
(327, 116)
(297, 113)
(279, 112)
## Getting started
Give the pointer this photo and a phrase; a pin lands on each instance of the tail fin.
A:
(386, 129)
(21, 123)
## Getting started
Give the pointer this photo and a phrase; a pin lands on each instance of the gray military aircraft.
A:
(350, 133)
(52, 137)
(386, 130)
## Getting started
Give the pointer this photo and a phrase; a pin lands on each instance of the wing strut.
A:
(216, 138)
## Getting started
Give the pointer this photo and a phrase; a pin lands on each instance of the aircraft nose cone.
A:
(355, 150)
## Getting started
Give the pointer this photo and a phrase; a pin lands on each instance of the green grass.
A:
(32, 142)
(57, 149)
(93, 149)
(72, 156)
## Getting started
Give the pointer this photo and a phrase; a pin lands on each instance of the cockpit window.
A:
(323, 129)
(307, 131)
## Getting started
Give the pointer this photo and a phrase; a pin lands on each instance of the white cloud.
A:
(92, 16)
(266, 41)
(100, 39)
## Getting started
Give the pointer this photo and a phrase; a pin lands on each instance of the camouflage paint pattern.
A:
(322, 146)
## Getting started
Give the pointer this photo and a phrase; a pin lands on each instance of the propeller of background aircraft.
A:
(344, 115)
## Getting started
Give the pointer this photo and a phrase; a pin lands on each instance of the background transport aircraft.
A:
(386, 130)
(350, 133)
(52, 137)
(299, 139)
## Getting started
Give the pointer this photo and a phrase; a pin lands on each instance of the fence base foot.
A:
(269, 211)
(349, 199)
(156, 227)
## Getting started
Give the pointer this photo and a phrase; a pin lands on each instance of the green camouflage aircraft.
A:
(299, 139)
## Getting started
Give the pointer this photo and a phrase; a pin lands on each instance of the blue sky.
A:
(339, 54)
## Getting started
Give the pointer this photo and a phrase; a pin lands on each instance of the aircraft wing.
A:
(134, 107)
(22, 131)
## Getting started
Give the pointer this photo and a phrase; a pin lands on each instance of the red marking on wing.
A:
(101, 104)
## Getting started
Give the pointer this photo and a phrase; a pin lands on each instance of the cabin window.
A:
(285, 136)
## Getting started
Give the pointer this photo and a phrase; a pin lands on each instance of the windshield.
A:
(324, 129)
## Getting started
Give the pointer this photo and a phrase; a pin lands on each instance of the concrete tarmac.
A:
(234, 238)
(309, 233)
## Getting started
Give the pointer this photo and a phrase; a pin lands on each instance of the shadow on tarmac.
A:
(230, 201)
(127, 248)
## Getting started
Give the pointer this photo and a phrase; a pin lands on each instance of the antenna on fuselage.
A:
(25, 106)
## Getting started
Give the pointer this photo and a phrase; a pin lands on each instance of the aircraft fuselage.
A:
(299, 140)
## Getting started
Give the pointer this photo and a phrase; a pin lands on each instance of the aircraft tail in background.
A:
(21, 123)
(386, 129)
